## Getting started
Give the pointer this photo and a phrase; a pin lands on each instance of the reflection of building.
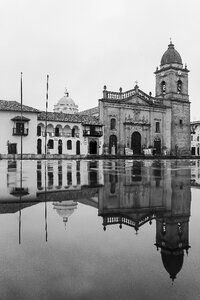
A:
(65, 209)
(66, 105)
(157, 190)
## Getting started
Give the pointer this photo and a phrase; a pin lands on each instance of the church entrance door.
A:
(136, 142)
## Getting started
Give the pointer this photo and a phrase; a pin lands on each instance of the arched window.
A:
(73, 132)
(57, 131)
(38, 130)
(112, 123)
(163, 87)
(50, 144)
(179, 86)
(69, 145)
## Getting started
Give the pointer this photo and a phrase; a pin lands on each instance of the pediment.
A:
(136, 99)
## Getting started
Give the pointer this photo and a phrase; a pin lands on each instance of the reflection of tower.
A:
(65, 209)
(172, 228)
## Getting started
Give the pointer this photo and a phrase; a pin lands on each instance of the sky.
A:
(85, 44)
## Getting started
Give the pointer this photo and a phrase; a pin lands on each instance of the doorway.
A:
(136, 142)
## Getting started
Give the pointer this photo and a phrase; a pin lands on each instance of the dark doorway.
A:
(113, 144)
(59, 146)
(12, 148)
(77, 147)
(39, 146)
(136, 142)
(193, 151)
(157, 146)
(93, 147)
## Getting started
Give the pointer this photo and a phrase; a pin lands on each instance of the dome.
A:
(172, 262)
(65, 208)
(66, 105)
(171, 56)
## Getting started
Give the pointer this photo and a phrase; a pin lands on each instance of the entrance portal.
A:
(93, 147)
(136, 142)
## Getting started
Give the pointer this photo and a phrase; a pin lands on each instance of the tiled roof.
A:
(91, 111)
(71, 118)
(15, 106)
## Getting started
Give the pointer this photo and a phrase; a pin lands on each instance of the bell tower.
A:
(172, 88)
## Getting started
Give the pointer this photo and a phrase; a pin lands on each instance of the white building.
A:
(195, 137)
(13, 125)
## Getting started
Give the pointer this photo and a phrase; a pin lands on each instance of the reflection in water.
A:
(126, 193)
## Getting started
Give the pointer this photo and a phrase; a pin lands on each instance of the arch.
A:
(157, 145)
(50, 129)
(75, 131)
(67, 131)
(136, 142)
(163, 87)
(50, 144)
(179, 86)
(39, 146)
(93, 147)
(58, 130)
(77, 147)
(113, 144)
(59, 146)
(113, 123)
(39, 130)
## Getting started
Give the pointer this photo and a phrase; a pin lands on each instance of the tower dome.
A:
(65, 209)
(66, 105)
(171, 56)
(172, 262)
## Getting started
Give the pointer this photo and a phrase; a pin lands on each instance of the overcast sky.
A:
(85, 44)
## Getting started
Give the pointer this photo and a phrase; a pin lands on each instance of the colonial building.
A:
(136, 120)
(15, 125)
(195, 138)
(71, 134)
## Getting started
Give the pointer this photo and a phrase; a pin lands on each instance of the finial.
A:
(120, 89)
(66, 92)
(136, 83)
(105, 87)
(170, 39)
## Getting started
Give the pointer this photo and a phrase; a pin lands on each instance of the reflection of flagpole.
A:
(46, 116)
(45, 208)
(21, 128)
(20, 198)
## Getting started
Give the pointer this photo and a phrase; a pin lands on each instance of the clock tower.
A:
(172, 88)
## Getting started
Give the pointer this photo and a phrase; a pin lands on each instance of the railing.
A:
(19, 132)
(92, 133)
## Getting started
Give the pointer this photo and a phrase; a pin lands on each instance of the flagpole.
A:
(47, 88)
(21, 128)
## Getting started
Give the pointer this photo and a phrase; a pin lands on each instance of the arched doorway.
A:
(93, 147)
(77, 147)
(59, 146)
(39, 146)
(136, 142)
(157, 146)
(113, 144)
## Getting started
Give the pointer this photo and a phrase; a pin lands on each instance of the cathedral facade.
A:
(135, 121)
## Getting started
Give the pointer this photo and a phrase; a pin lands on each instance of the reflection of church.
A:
(147, 193)
(135, 120)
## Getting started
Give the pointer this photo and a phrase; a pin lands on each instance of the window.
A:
(50, 144)
(181, 122)
(73, 132)
(157, 126)
(38, 130)
(163, 87)
(57, 132)
(113, 124)
(179, 86)
(191, 137)
(198, 138)
(69, 145)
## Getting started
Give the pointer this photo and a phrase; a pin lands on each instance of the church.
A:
(134, 120)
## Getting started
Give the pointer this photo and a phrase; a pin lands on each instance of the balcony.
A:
(17, 131)
(92, 133)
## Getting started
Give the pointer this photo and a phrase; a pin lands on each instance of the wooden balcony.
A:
(92, 133)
